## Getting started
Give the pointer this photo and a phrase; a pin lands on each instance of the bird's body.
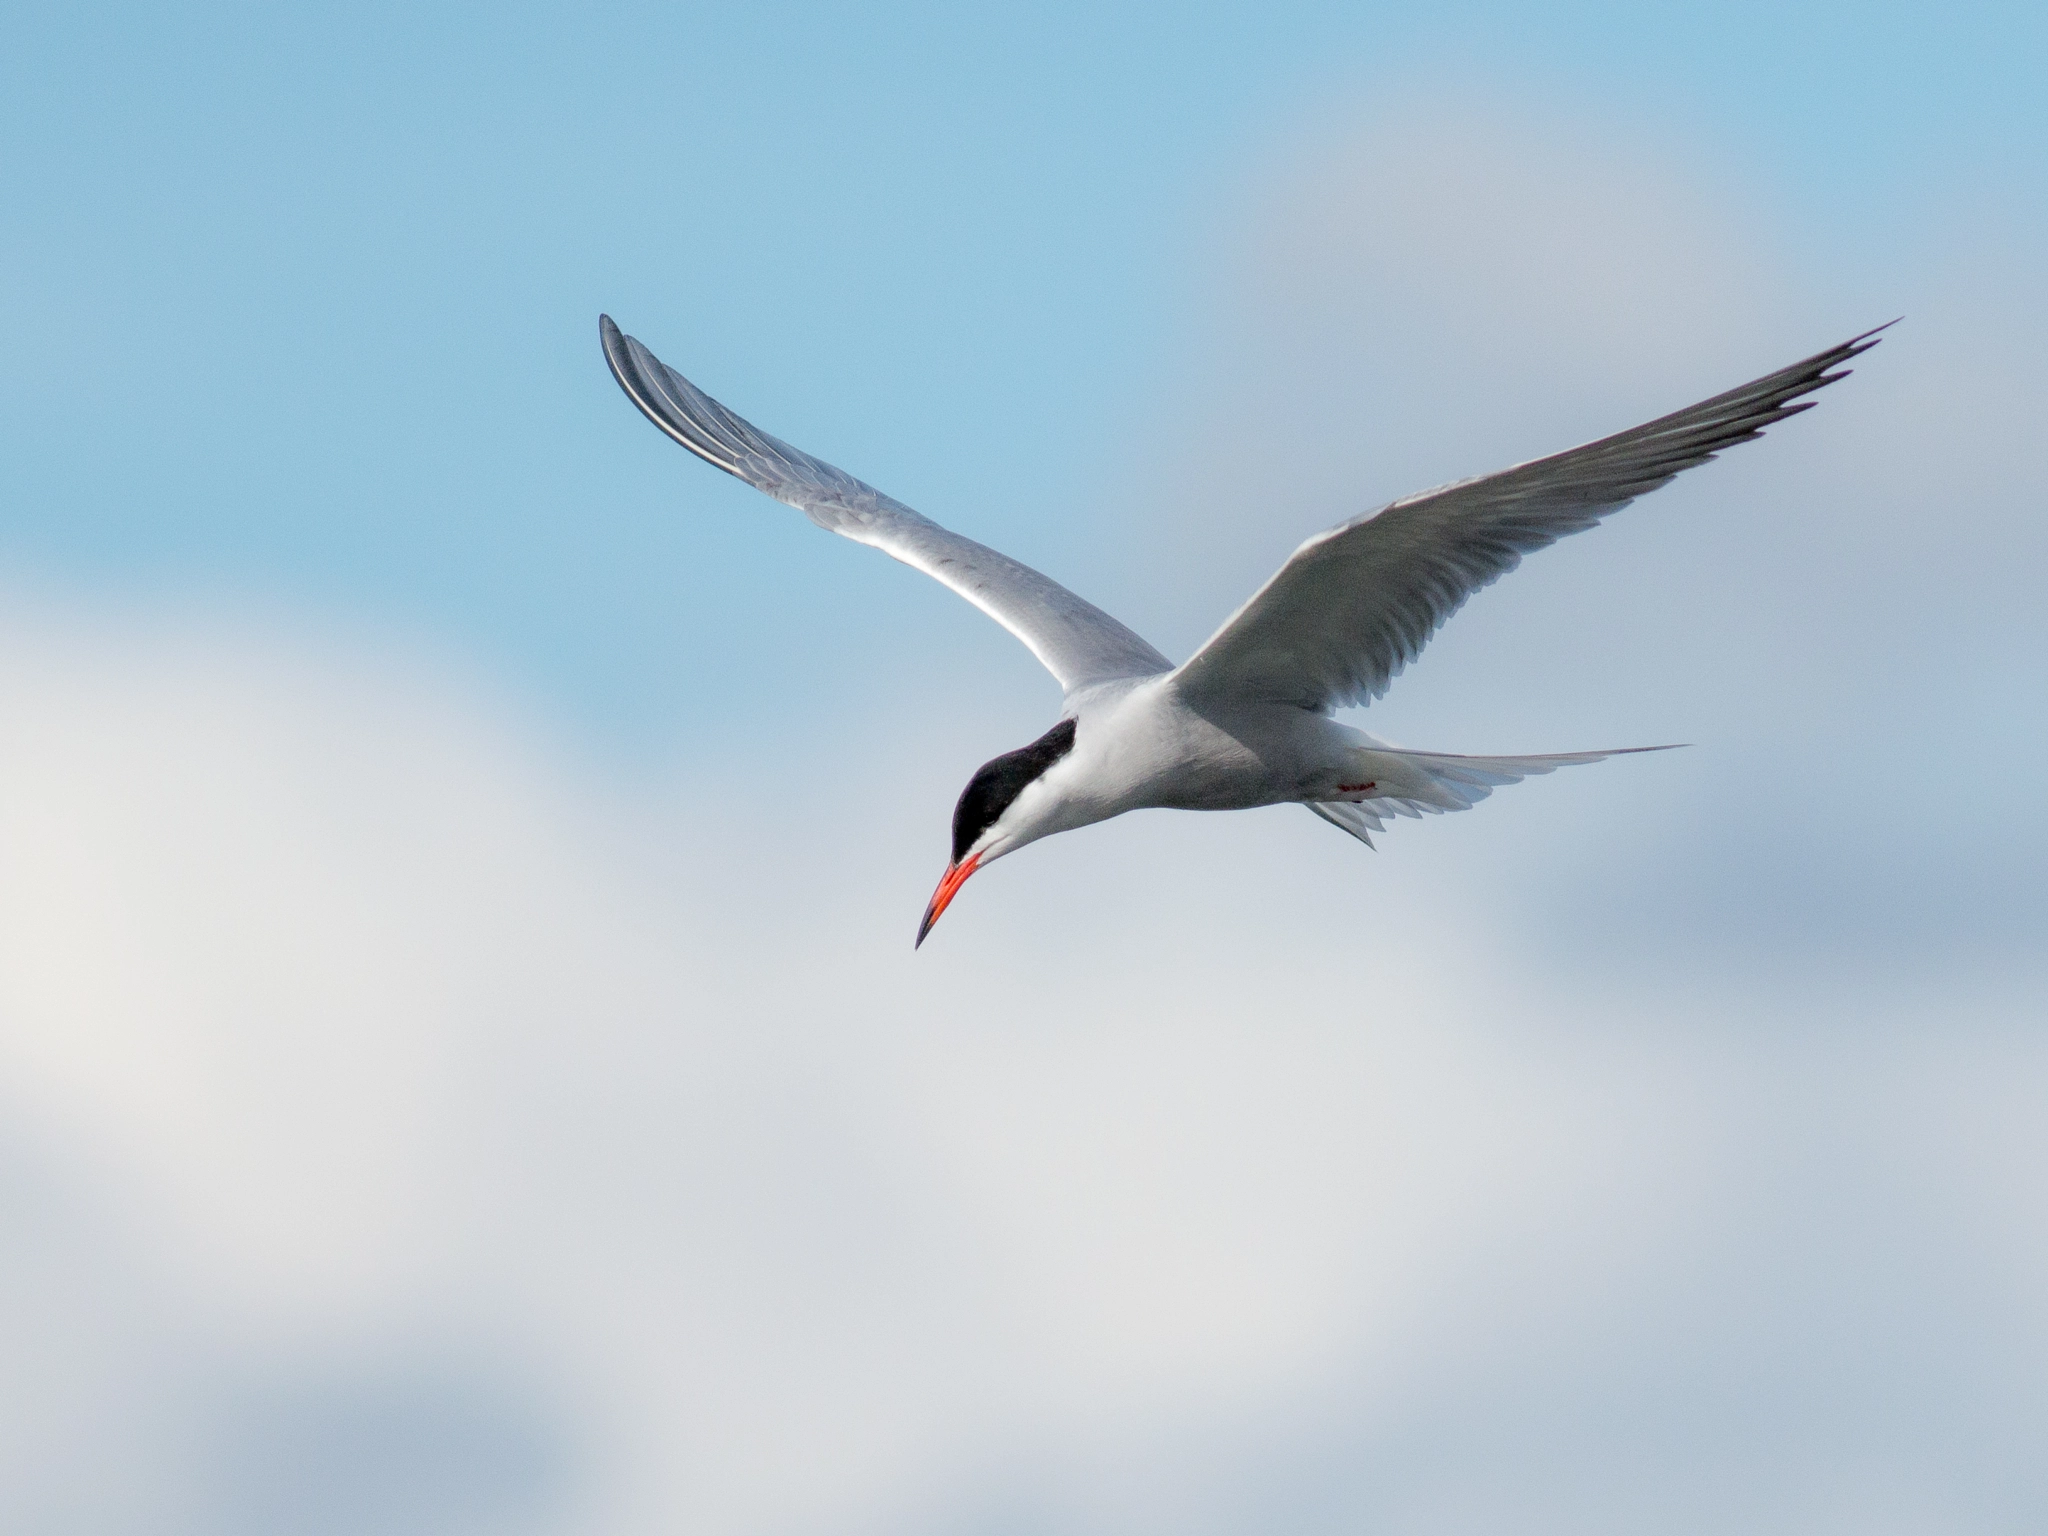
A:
(1142, 744)
(1246, 721)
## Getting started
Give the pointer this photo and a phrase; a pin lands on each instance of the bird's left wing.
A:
(1078, 643)
(1355, 604)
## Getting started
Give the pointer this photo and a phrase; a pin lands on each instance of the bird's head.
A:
(1008, 803)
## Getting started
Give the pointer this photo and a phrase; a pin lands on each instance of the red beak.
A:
(949, 887)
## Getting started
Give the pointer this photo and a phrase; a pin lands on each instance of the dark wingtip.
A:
(1869, 338)
(612, 341)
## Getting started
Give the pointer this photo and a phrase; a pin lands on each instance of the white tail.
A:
(1431, 783)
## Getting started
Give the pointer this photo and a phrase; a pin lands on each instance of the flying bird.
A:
(1245, 721)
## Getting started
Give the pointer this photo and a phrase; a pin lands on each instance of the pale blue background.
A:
(301, 302)
(461, 1060)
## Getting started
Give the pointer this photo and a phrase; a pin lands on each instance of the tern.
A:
(1245, 721)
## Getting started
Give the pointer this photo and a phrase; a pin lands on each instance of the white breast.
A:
(1140, 745)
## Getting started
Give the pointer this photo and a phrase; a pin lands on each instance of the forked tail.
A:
(1405, 783)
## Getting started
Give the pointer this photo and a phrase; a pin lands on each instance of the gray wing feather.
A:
(1078, 643)
(1356, 603)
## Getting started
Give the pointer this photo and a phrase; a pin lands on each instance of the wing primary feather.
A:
(1356, 603)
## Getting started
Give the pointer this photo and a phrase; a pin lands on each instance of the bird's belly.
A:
(1174, 759)
(1218, 781)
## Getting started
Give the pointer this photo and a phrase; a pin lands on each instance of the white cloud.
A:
(430, 1091)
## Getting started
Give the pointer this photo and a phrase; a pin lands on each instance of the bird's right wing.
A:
(1078, 643)
(1355, 604)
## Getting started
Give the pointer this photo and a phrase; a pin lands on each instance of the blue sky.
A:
(300, 302)
(462, 1063)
